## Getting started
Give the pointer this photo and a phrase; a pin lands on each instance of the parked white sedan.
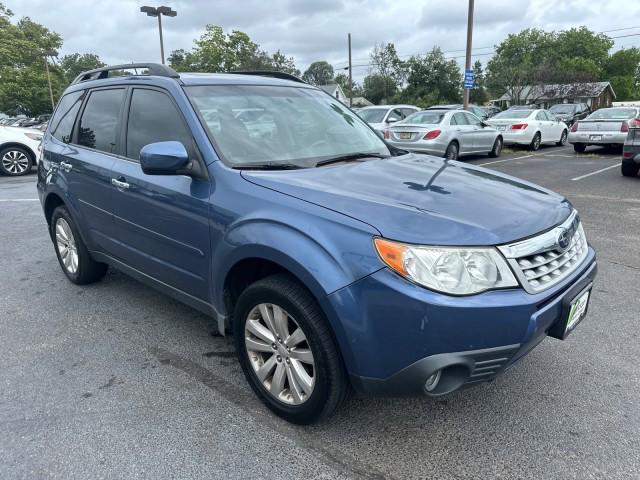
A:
(529, 127)
(18, 149)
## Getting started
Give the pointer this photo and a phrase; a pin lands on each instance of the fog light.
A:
(432, 381)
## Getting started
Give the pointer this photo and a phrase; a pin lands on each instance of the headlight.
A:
(34, 136)
(452, 270)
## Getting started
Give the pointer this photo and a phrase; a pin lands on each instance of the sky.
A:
(311, 30)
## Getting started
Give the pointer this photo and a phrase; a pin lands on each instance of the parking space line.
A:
(18, 199)
(506, 160)
(596, 172)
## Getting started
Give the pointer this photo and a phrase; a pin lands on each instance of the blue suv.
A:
(337, 261)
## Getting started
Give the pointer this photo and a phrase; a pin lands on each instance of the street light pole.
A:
(350, 76)
(159, 12)
(467, 65)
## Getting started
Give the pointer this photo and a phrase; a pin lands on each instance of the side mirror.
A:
(164, 158)
(484, 124)
(392, 119)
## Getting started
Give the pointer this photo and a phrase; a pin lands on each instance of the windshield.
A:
(261, 125)
(613, 113)
(372, 115)
(513, 114)
(424, 118)
(563, 109)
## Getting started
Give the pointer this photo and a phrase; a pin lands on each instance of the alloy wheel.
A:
(563, 138)
(452, 152)
(280, 354)
(66, 246)
(15, 162)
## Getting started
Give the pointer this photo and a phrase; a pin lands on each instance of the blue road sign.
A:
(469, 79)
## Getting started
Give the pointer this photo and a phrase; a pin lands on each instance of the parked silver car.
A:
(381, 117)
(448, 133)
(607, 126)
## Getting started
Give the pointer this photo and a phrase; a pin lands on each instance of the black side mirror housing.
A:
(164, 158)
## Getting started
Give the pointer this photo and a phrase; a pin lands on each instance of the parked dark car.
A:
(337, 260)
(491, 111)
(570, 113)
(631, 151)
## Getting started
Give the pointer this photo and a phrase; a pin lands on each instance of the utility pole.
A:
(467, 65)
(159, 12)
(350, 75)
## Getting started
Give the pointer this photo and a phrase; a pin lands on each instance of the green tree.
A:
(432, 79)
(478, 94)
(76, 63)
(318, 73)
(386, 65)
(216, 51)
(374, 88)
(622, 69)
(23, 80)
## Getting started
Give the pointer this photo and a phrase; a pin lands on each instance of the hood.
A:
(425, 200)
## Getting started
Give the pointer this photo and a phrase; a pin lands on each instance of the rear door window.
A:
(99, 123)
(461, 119)
(65, 116)
(153, 117)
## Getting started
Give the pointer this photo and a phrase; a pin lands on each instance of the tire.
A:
(579, 147)
(15, 161)
(563, 138)
(629, 169)
(328, 385)
(534, 146)
(497, 148)
(452, 151)
(72, 253)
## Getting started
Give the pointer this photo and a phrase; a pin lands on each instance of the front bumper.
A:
(394, 335)
(591, 137)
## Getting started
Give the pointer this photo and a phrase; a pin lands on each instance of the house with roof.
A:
(595, 94)
(335, 91)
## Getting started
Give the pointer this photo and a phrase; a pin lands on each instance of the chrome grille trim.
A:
(539, 262)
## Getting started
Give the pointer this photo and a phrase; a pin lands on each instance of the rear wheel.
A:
(497, 148)
(630, 169)
(452, 151)
(15, 161)
(563, 139)
(74, 258)
(287, 352)
(535, 142)
(579, 147)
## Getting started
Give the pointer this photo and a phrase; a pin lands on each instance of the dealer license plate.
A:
(577, 311)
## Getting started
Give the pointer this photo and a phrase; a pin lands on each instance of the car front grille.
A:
(545, 260)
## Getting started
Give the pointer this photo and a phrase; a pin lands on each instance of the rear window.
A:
(99, 121)
(425, 118)
(513, 114)
(65, 116)
(613, 114)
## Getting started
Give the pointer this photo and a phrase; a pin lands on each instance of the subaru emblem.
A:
(564, 239)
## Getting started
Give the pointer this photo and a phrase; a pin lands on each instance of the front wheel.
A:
(15, 161)
(563, 139)
(74, 258)
(497, 148)
(535, 143)
(287, 352)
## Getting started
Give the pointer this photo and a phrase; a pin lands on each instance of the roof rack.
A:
(101, 73)
(270, 73)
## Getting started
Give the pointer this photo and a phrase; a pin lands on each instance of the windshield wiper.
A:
(350, 156)
(267, 166)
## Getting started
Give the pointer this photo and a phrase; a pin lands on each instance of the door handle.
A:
(119, 184)
(66, 166)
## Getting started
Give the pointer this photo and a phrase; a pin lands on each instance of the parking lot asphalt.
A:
(114, 380)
